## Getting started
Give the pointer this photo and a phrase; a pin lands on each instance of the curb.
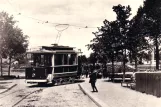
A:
(97, 101)
(8, 88)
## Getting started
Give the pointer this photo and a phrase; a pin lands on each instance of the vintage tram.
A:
(52, 64)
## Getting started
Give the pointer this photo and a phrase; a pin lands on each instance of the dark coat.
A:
(93, 77)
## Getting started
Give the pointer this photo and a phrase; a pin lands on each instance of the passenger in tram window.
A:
(37, 64)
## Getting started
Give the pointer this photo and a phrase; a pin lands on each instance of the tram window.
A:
(42, 60)
(29, 59)
(37, 60)
(47, 60)
(65, 59)
(58, 59)
(72, 59)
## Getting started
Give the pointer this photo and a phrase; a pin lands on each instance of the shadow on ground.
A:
(51, 85)
(6, 77)
(115, 81)
(5, 82)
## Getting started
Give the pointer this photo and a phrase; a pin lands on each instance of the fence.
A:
(118, 68)
(149, 82)
(147, 67)
(118, 72)
(18, 70)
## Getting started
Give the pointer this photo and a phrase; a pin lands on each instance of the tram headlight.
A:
(33, 74)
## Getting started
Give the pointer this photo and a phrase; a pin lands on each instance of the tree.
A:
(6, 25)
(111, 39)
(106, 43)
(122, 17)
(14, 42)
(152, 12)
(137, 42)
(92, 58)
(84, 59)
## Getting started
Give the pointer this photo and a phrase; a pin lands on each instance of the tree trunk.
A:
(136, 65)
(130, 57)
(9, 68)
(124, 59)
(1, 67)
(113, 70)
(157, 54)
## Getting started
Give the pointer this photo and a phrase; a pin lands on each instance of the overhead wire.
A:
(11, 5)
(56, 24)
(47, 20)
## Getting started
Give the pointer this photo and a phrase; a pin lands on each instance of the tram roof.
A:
(57, 47)
(51, 51)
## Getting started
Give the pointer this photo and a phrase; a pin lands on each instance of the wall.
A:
(149, 82)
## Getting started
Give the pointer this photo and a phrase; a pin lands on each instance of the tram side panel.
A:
(41, 74)
(65, 72)
(36, 74)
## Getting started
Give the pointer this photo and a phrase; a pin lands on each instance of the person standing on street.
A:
(86, 70)
(93, 78)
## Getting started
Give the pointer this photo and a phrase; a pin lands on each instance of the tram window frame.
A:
(72, 59)
(30, 59)
(42, 59)
(66, 62)
(58, 59)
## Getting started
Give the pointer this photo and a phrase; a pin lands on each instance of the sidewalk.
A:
(114, 95)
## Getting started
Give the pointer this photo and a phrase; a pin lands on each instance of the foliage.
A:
(152, 13)
(13, 41)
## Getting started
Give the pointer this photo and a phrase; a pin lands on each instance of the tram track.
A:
(44, 95)
(32, 92)
(9, 89)
(17, 95)
(38, 90)
(22, 93)
(5, 95)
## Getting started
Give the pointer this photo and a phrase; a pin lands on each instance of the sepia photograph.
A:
(80, 53)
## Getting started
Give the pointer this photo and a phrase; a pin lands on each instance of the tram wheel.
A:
(53, 82)
(73, 80)
(69, 79)
(57, 82)
(65, 81)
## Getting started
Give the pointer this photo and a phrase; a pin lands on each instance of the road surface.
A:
(32, 95)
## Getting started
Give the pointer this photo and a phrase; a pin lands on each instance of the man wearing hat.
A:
(93, 78)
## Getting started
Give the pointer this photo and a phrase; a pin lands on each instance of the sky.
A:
(41, 19)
